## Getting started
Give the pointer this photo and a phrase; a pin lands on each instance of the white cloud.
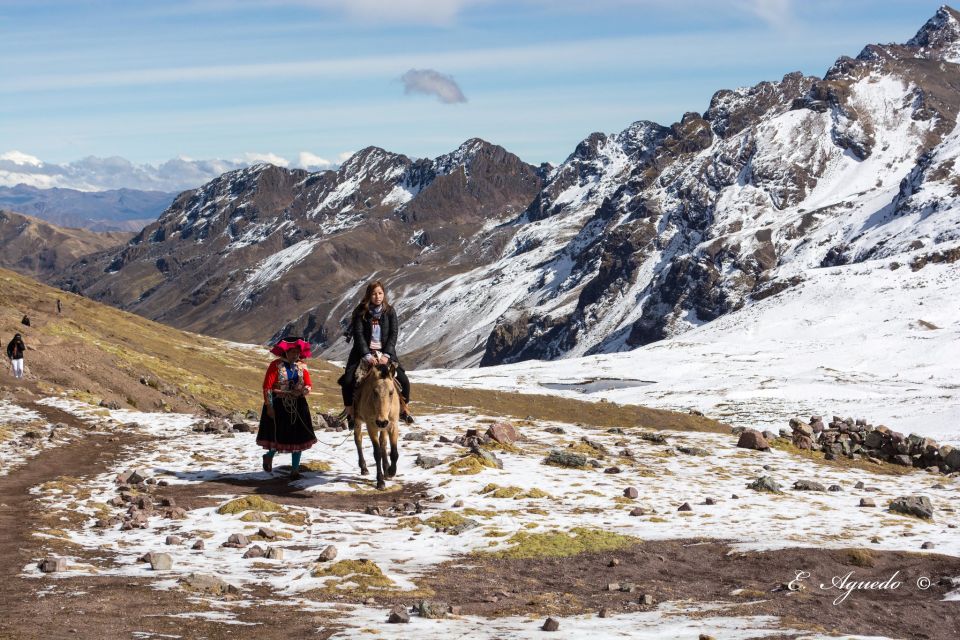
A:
(343, 156)
(270, 158)
(431, 82)
(776, 13)
(312, 161)
(430, 12)
(178, 174)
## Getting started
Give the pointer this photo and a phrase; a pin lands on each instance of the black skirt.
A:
(290, 431)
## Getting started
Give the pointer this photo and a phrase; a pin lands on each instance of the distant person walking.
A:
(59, 308)
(15, 351)
(25, 321)
(285, 422)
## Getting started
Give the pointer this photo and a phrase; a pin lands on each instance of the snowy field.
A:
(860, 340)
(405, 547)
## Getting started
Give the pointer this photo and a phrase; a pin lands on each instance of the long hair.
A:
(365, 305)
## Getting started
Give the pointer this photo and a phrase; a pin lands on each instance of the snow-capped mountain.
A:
(637, 236)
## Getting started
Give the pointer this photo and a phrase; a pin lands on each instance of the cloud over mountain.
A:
(431, 82)
(99, 174)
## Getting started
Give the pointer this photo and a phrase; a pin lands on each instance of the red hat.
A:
(285, 344)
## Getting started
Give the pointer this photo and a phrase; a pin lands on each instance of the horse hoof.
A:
(381, 486)
(364, 471)
(391, 472)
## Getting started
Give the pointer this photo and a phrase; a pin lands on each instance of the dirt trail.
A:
(94, 607)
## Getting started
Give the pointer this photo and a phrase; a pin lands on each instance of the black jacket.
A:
(15, 349)
(362, 329)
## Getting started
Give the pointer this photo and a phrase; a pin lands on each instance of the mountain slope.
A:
(40, 249)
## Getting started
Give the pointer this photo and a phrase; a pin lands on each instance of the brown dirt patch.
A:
(706, 571)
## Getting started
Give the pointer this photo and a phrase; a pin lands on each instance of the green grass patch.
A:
(560, 544)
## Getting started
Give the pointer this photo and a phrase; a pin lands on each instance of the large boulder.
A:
(503, 432)
(917, 506)
(753, 439)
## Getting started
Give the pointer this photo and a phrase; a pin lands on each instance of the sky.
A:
(108, 93)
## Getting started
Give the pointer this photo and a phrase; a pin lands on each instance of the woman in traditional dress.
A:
(285, 422)
(374, 328)
(15, 351)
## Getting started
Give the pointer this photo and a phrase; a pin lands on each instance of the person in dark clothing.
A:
(25, 321)
(374, 328)
(59, 308)
(15, 350)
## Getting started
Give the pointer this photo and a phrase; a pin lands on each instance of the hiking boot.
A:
(267, 462)
(406, 417)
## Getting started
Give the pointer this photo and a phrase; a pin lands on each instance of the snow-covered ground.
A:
(405, 549)
(861, 340)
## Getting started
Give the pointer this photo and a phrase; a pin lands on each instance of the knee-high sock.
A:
(295, 460)
(272, 452)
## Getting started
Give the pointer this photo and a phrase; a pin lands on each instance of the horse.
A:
(377, 405)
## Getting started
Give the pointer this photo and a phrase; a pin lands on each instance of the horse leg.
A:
(378, 456)
(358, 439)
(394, 449)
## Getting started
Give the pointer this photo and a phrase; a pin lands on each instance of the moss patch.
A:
(559, 544)
(450, 522)
(316, 466)
(249, 503)
(469, 465)
(496, 491)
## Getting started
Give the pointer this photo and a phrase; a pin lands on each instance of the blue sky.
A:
(204, 79)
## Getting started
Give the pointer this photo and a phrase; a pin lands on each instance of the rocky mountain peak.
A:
(940, 33)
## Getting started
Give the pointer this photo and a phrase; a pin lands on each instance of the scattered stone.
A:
(765, 483)
(329, 553)
(638, 511)
(613, 586)
(603, 613)
(834, 488)
(398, 615)
(710, 501)
(918, 506)
(753, 439)
(566, 459)
(557, 430)
(274, 553)
(867, 502)
(612, 470)
(168, 502)
(174, 540)
(161, 562)
(427, 462)
(266, 533)
(256, 551)
(551, 624)
(927, 545)
(52, 565)
(177, 513)
(646, 599)
(372, 510)
(685, 507)
(237, 540)
(808, 485)
(693, 451)
(432, 610)
(416, 436)
(131, 476)
(203, 583)
(657, 438)
(503, 432)
(198, 545)
(628, 587)
(613, 563)
(631, 492)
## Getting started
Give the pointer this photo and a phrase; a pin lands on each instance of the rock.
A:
(243, 427)
(951, 458)
(859, 485)
(646, 599)
(613, 586)
(168, 502)
(161, 562)
(802, 429)
(174, 540)
(685, 507)
(427, 462)
(256, 551)
(177, 513)
(628, 587)
(765, 483)
(329, 553)
(52, 565)
(834, 488)
(198, 545)
(753, 439)
(398, 615)
(210, 585)
(693, 451)
(631, 492)
(432, 610)
(131, 476)
(867, 502)
(274, 553)
(657, 438)
(551, 624)
(603, 613)
(927, 545)
(487, 456)
(638, 511)
(918, 506)
(556, 430)
(566, 459)
(612, 470)
(237, 540)
(710, 501)
(416, 436)
(266, 533)
(808, 485)
(503, 432)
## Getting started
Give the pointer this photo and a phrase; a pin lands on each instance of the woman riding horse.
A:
(374, 328)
